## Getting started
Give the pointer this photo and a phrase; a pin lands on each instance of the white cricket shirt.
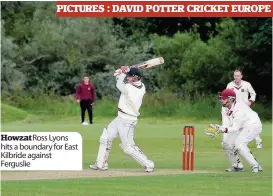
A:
(130, 99)
(243, 91)
(240, 116)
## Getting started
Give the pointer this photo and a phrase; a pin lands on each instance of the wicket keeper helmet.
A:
(135, 73)
(228, 94)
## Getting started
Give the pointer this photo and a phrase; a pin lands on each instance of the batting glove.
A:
(117, 72)
(125, 69)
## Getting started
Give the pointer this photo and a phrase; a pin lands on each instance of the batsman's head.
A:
(134, 75)
(227, 97)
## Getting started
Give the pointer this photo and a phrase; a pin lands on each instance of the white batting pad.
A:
(137, 155)
(102, 153)
(229, 148)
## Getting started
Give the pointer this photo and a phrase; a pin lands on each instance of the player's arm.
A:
(120, 77)
(78, 93)
(120, 84)
(93, 94)
(225, 119)
(252, 93)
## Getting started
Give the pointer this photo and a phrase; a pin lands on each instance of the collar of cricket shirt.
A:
(236, 86)
(137, 84)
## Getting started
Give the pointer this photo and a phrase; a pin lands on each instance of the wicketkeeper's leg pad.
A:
(232, 155)
(135, 152)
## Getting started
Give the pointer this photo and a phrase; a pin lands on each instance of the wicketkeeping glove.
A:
(220, 129)
(212, 130)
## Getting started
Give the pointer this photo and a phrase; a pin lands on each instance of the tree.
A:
(251, 43)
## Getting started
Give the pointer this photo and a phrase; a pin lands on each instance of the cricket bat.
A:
(149, 63)
(145, 65)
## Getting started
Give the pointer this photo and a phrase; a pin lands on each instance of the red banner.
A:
(164, 8)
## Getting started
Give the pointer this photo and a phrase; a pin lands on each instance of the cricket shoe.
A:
(84, 123)
(234, 169)
(148, 169)
(257, 169)
(259, 145)
(95, 167)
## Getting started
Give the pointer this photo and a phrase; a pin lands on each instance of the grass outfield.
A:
(162, 142)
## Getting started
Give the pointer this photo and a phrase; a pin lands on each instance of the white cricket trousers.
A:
(237, 142)
(125, 130)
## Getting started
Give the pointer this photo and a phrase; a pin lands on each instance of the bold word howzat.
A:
(16, 138)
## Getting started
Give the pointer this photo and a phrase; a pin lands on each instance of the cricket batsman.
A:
(244, 90)
(241, 125)
(132, 92)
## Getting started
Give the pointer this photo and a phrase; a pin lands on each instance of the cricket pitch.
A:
(43, 175)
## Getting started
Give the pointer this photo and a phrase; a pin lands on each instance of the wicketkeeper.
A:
(241, 126)
(244, 93)
(132, 92)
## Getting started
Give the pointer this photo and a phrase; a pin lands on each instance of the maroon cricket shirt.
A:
(85, 92)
